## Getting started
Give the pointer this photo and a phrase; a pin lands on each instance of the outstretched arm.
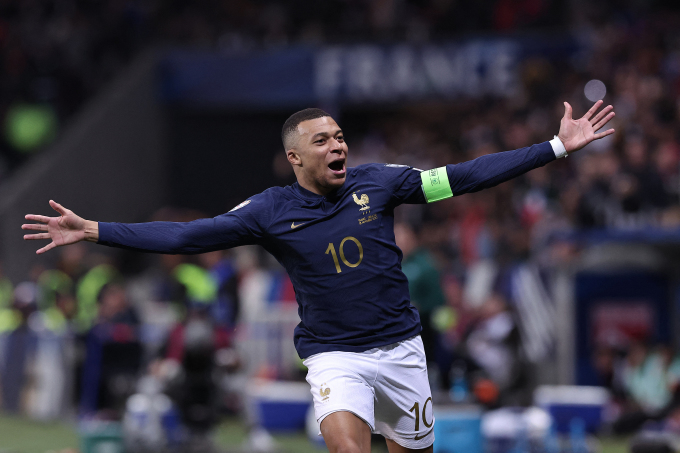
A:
(493, 169)
(66, 229)
(237, 227)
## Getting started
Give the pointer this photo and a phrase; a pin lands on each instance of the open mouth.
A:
(338, 166)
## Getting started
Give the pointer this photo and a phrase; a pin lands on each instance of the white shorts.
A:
(387, 387)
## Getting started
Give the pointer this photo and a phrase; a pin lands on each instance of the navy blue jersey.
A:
(338, 249)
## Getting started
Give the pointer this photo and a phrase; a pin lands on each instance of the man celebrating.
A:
(333, 232)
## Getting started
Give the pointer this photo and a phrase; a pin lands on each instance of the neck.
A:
(323, 191)
(311, 185)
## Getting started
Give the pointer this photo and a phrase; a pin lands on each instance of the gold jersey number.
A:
(331, 250)
(416, 408)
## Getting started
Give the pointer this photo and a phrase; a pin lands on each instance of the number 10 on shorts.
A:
(416, 408)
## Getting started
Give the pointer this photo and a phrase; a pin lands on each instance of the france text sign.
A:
(376, 73)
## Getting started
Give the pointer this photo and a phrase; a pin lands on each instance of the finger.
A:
(34, 226)
(31, 237)
(57, 207)
(604, 121)
(37, 218)
(49, 246)
(602, 113)
(593, 109)
(603, 134)
(567, 110)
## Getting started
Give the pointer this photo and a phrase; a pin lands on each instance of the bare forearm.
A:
(91, 230)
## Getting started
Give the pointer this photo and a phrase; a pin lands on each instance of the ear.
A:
(293, 157)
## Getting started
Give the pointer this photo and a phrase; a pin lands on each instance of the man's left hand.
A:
(575, 134)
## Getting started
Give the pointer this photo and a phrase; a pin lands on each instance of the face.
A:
(320, 155)
(113, 301)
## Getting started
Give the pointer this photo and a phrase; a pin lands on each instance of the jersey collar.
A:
(309, 195)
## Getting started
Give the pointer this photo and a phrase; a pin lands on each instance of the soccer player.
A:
(333, 232)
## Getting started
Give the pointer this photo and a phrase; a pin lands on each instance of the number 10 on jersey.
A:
(331, 250)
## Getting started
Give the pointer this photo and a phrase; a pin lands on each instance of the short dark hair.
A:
(291, 124)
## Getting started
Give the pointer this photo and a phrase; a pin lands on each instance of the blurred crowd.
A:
(55, 54)
(645, 383)
(76, 339)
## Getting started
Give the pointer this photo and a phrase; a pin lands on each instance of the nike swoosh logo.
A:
(424, 435)
(293, 226)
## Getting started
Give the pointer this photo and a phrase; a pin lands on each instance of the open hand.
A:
(66, 229)
(575, 134)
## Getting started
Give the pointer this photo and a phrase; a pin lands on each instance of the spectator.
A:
(113, 355)
(19, 348)
(423, 284)
(493, 345)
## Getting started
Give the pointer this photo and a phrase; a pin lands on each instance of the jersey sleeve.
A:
(493, 169)
(245, 224)
(483, 172)
(402, 181)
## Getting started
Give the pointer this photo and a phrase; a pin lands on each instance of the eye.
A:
(340, 138)
(320, 141)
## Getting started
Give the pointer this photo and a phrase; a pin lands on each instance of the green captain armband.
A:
(436, 184)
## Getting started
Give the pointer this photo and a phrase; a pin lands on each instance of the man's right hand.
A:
(66, 229)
